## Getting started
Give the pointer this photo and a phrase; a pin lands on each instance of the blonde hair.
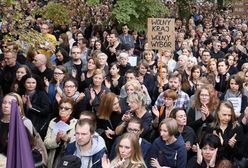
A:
(135, 84)
(136, 154)
(139, 97)
(19, 101)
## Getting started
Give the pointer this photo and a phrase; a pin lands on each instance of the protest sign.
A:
(161, 33)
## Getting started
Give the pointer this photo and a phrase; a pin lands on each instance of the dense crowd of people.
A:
(101, 99)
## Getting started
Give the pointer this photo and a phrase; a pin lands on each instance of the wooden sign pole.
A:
(160, 68)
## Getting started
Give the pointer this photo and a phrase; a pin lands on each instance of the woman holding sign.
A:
(60, 132)
(235, 94)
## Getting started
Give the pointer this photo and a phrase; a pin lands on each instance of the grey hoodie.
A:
(98, 144)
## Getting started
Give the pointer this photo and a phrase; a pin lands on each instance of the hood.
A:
(98, 144)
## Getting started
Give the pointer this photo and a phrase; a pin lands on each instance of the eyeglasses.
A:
(132, 130)
(64, 108)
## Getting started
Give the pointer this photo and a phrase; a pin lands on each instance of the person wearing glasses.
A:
(56, 84)
(56, 140)
(70, 91)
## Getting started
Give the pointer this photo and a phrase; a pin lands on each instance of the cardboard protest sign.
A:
(161, 33)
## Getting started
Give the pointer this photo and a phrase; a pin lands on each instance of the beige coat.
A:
(52, 145)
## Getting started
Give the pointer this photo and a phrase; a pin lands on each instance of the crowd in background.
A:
(113, 103)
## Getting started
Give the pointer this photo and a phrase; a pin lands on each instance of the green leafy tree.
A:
(136, 12)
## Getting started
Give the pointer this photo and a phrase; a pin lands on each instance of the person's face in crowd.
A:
(59, 56)
(186, 52)
(60, 40)
(44, 29)
(204, 96)
(164, 134)
(192, 33)
(238, 42)
(80, 36)
(92, 42)
(234, 86)
(224, 115)
(133, 127)
(222, 67)
(190, 63)
(9, 59)
(246, 77)
(217, 46)
(30, 84)
(174, 84)
(6, 104)
(116, 105)
(70, 89)
(98, 45)
(181, 62)
(130, 90)
(230, 60)
(102, 60)
(135, 35)
(112, 39)
(91, 64)
(169, 102)
(98, 79)
(123, 61)
(81, 44)
(125, 29)
(206, 57)
(58, 75)
(83, 135)
(148, 56)
(74, 29)
(196, 74)
(181, 118)
(142, 69)
(75, 53)
(114, 70)
(65, 110)
(196, 42)
(129, 77)
(207, 152)
(125, 148)
(37, 61)
(184, 44)
(223, 44)
(213, 66)
(134, 105)
(164, 73)
(20, 73)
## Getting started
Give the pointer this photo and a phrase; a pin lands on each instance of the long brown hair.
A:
(227, 104)
(106, 106)
(213, 101)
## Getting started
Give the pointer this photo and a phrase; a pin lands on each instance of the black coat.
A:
(40, 112)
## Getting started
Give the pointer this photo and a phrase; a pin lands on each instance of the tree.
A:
(135, 12)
